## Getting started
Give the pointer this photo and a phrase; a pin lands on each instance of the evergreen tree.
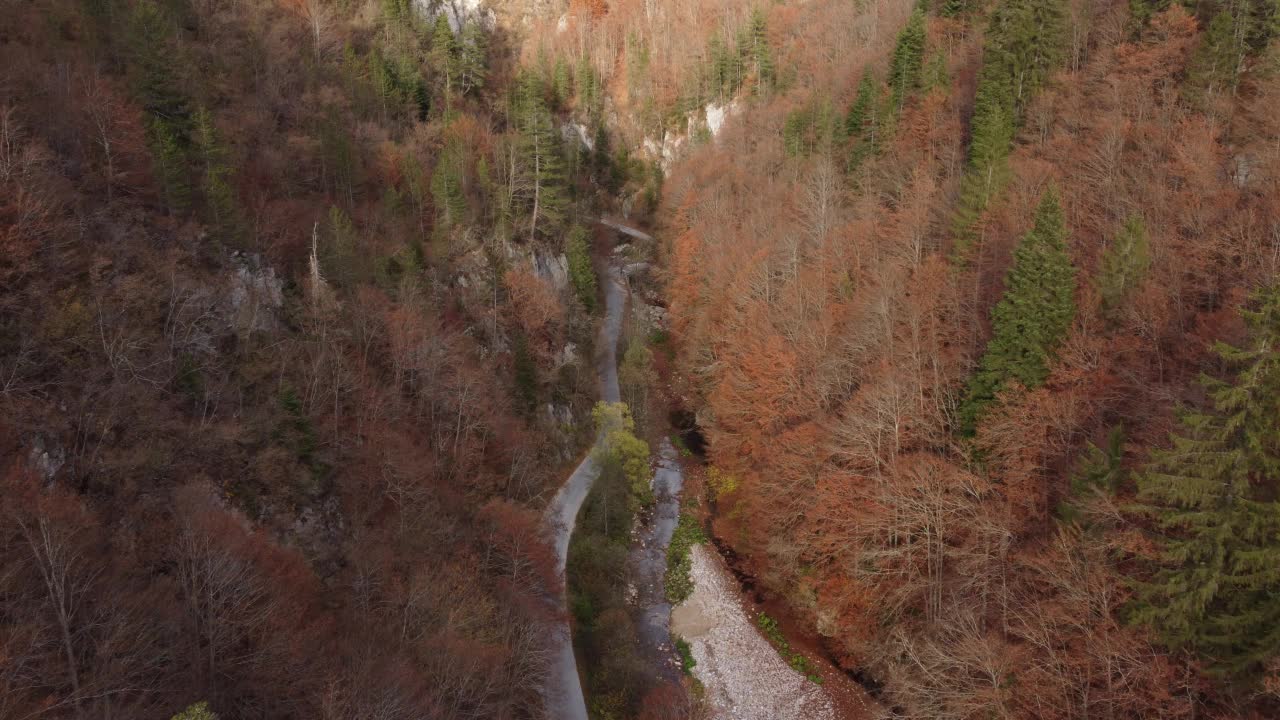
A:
(473, 64)
(589, 88)
(905, 69)
(1031, 318)
(862, 114)
(199, 711)
(447, 188)
(1100, 469)
(1215, 65)
(1124, 264)
(721, 70)
(794, 129)
(582, 273)
(526, 375)
(758, 52)
(561, 82)
(152, 70)
(221, 208)
(539, 146)
(1026, 40)
(445, 54)
(1214, 493)
(170, 159)
(935, 72)
(992, 130)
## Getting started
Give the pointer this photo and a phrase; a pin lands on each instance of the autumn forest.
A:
(639, 360)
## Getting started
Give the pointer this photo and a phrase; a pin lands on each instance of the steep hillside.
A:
(295, 338)
(939, 298)
(975, 305)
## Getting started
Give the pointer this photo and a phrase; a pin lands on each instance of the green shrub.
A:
(678, 582)
(687, 662)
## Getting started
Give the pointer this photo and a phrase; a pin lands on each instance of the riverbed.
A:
(744, 676)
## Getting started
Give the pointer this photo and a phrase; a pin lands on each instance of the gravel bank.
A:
(744, 676)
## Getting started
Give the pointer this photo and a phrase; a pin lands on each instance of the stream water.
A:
(648, 565)
(744, 676)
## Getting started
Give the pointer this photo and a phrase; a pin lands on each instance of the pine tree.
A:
(1100, 469)
(721, 68)
(1031, 318)
(561, 82)
(582, 273)
(446, 187)
(905, 69)
(473, 65)
(1215, 65)
(152, 70)
(445, 54)
(170, 159)
(589, 89)
(992, 130)
(539, 145)
(221, 208)
(754, 52)
(862, 114)
(199, 711)
(1026, 41)
(1214, 494)
(1124, 264)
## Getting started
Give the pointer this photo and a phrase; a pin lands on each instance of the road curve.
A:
(564, 699)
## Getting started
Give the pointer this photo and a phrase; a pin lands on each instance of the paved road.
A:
(564, 691)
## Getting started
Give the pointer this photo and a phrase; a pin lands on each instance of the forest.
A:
(974, 305)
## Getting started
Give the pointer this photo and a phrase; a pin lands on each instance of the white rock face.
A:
(552, 268)
(745, 678)
(255, 296)
(458, 12)
(669, 148)
(568, 355)
(717, 114)
(46, 461)
(578, 131)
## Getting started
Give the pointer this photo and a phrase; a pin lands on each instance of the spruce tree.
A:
(153, 72)
(1026, 40)
(1215, 65)
(755, 50)
(539, 145)
(561, 82)
(1124, 264)
(721, 70)
(991, 136)
(222, 211)
(1213, 494)
(473, 65)
(862, 114)
(1031, 318)
(908, 59)
(445, 54)
(170, 159)
(447, 189)
(582, 273)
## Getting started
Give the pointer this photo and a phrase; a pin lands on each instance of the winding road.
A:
(564, 699)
